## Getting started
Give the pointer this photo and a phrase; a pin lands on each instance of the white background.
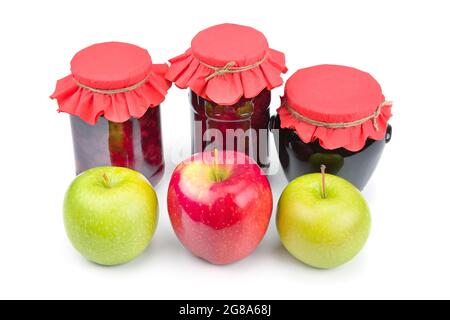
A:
(404, 44)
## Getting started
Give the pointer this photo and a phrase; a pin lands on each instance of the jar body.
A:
(298, 158)
(134, 144)
(241, 127)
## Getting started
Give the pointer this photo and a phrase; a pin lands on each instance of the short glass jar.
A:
(113, 96)
(335, 116)
(230, 71)
(298, 158)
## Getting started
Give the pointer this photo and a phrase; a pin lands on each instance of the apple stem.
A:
(216, 164)
(322, 170)
(106, 181)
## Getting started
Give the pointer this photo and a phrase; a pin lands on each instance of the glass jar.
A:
(113, 97)
(298, 158)
(135, 144)
(248, 121)
(335, 116)
(230, 71)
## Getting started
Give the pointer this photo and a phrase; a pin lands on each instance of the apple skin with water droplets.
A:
(220, 205)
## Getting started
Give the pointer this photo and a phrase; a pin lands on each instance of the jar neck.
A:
(243, 109)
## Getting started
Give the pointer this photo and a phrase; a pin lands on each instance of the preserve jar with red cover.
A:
(335, 116)
(230, 71)
(113, 96)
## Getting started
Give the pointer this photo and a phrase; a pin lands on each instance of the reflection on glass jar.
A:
(240, 127)
(299, 158)
(135, 144)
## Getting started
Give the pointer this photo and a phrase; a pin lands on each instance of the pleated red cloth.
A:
(335, 94)
(115, 80)
(218, 46)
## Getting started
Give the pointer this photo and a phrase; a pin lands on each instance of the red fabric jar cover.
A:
(114, 79)
(339, 106)
(228, 62)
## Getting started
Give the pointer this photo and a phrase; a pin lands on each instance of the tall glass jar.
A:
(113, 96)
(248, 121)
(230, 71)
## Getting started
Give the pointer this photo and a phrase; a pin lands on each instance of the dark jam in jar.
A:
(135, 144)
(299, 158)
(242, 127)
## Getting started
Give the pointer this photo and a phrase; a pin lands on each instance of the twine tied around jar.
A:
(341, 125)
(230, 67)
(112, 91)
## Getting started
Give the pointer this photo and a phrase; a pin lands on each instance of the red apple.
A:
(220, 205)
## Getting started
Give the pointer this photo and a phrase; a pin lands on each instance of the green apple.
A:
(323, 220)
(110, 214)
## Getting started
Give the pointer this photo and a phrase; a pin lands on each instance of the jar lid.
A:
(227, 62)
(115, 80)
(339, 106)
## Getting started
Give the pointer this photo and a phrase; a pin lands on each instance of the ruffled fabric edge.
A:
(119, 107)
(187, 72)
(353, 139)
